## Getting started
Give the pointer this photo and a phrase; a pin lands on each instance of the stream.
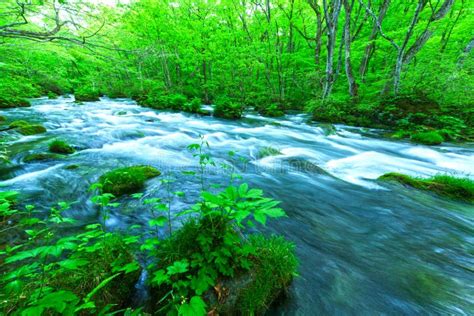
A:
(365, 247)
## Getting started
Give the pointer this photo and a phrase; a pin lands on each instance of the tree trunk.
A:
(353, 88)
(332, 16)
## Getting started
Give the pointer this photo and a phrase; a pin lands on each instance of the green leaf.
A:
(159, 221)
(159, 277)
(73, 264)
(195, 307)
(178, 267)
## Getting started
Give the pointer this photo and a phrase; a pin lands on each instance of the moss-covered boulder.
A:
(61, 147)
(2, 118)
(427, 138)
(86, 94)
(26, 128)
(13, 102)
(41, 157)
(127, 180)
(453, 187)
(271, 110)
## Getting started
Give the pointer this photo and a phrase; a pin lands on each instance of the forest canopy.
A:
(264, 53)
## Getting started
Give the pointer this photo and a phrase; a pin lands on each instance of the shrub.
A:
(61, 147)
(272, 110)
(228, 109)
(193, 106)
(13, 102)
(427, 138)
(85, 94)
(127, 180)
(453, 187)
(52, 95)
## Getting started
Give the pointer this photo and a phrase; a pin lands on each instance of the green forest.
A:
(236, 157)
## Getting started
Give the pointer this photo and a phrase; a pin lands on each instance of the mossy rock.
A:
(2, 118)
(61, 147)
(427, 138)
(26, 128)
(452, 187)
(72, 167)
(41, 157)
(272, 110)
(127, 180)
(272, 264)
(13, 102)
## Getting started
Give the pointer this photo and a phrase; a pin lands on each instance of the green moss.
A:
(274, 267)
(427, 138)
(19, 123)
(61, 147)
(41, 157)
(26, 128)
(127, 180)
(268, 151)
(71, 167)
(228, 109)
(453, 187)
(86, 94)
(32, 130)
(2, 118)
(401, 134)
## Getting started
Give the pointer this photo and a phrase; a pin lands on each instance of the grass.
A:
(61, 147)
(127, 180)
(449, 186)
(275, 265)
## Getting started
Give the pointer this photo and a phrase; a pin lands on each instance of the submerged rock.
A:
(302, 165)
(41, 157)
(127, 180)
(61, 147)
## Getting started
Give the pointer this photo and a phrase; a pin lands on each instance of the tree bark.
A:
(353, 87)
(331, 13)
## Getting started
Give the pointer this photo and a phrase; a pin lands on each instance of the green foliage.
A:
(194, 106)
(453, 187)
(52, 95)
(227, 108)
(127, 180)
(427, 138)
(85, 94)
(61, 147)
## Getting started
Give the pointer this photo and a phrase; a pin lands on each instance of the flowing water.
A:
(365, 247)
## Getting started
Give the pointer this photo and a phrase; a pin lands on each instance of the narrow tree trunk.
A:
(353, 88)
(332, 16)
